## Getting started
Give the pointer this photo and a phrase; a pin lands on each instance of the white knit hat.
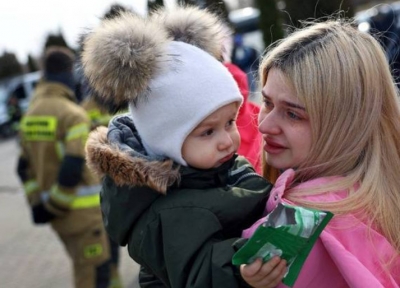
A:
(193, 86)
(170, 86)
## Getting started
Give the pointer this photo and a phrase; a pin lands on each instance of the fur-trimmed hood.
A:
(119, 153)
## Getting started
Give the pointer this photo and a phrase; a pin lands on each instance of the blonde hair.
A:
(270, 173)
(342, 77)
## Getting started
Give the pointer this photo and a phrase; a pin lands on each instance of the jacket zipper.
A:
(244, 176)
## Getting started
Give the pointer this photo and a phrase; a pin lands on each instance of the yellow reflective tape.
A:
(60, 149)
(59, 196)
(73, 201)
(86, 202)
(98, 118)
(39, 128)
(93, 250)
(115, 283)
(104, 120)
(78, 131)
(30, 186)
(94, 114)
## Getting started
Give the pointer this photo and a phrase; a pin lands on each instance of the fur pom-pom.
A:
(194, 26)
(121, 56)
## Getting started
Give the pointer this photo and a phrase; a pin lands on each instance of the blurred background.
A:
(31, 256)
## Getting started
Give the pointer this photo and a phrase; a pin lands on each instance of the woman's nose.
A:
(268, 124)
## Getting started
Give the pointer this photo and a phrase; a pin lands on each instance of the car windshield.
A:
(3, 94)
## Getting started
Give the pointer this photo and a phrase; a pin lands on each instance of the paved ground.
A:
(32, 256)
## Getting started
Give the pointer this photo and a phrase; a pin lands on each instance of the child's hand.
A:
(267, 275)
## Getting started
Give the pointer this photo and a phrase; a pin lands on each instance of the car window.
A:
(20, 92)
(3, 94)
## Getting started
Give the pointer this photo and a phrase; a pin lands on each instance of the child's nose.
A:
(225, 141)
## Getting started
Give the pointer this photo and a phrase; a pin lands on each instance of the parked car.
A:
(22, 87)
(5, 128)
(15, 96)
(383, 22)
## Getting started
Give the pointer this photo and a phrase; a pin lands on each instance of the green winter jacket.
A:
(181, 236)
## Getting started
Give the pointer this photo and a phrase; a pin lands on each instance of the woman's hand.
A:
(264, 275)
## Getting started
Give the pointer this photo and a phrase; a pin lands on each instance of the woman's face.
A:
(284, 124)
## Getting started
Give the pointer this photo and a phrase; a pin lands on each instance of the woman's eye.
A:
(268, 104)
(293, 116)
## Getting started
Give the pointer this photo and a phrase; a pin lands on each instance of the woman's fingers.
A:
(273, 278)
(250, 270)
(264, 275)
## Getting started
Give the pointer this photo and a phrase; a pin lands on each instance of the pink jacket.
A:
(348, 252)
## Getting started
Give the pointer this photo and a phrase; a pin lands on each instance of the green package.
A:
(289, 232)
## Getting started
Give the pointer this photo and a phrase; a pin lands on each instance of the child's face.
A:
(214, 140)
(284, 123)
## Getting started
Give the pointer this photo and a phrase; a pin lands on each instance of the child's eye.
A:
(230, 122)
(207, 132)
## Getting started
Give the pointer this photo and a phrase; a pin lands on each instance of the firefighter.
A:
(99, 116)
(59, 188)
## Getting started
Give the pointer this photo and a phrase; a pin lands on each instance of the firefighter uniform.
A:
(53, 135)
(100, 117)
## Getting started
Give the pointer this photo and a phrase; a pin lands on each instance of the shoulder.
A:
(243, 164)
(284, 185)
(73, 113)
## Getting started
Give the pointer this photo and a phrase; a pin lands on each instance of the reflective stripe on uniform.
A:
(30, 186)
(86, 202)
(104, 120)
(39, 128)
(88, 190)
(78, 131)
(94, 114)
(97, 118)
(93, 250)
(86, 197)
(60, 149)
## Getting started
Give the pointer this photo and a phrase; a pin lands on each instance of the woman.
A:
(331, 122)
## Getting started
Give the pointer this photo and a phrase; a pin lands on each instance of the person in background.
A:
(14, 112)
(250, 146)
(58, 186)
(246, 58)
(174, 189)
(101, 116)
(331, 122)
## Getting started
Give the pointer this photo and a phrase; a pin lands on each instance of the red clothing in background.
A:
(247, 122)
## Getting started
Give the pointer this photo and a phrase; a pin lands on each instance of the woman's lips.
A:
(272, 147)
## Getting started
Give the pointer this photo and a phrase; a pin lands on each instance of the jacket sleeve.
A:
(201, 261)
(63, 194)
(149, 280)
(22, 168)
(40, 215)
(25, 174)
